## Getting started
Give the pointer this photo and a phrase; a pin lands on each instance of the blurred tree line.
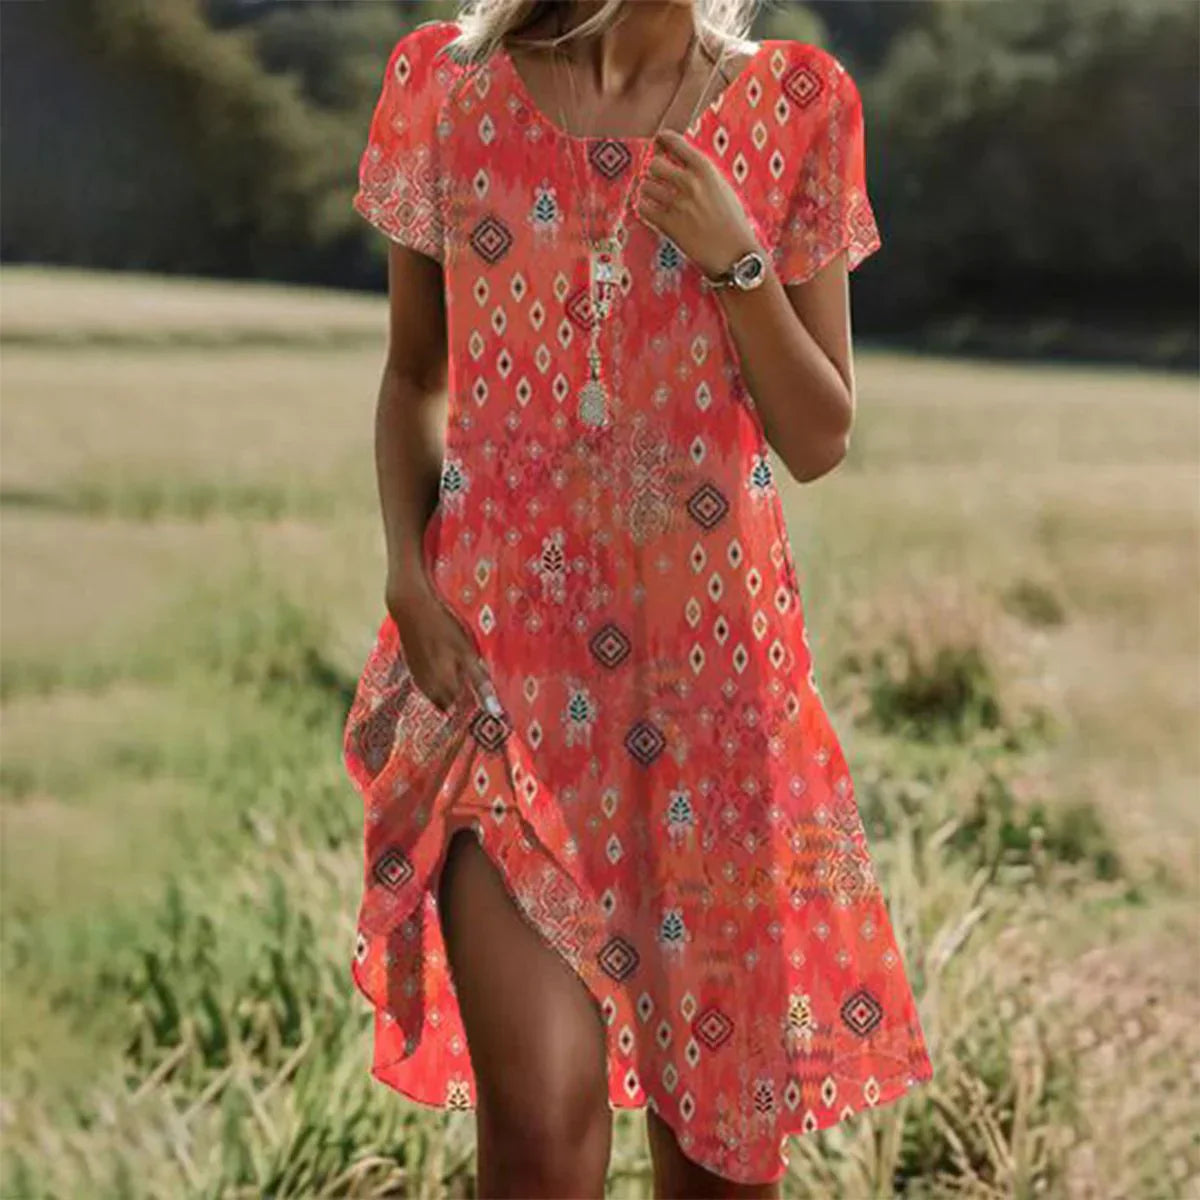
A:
(1026, 158)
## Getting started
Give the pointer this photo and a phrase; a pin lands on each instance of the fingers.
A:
(442, 657)
(457, 668)
(652, 215)
(473, 673)
(480, 681)
(437, 681)
(666, 170)
(677, 145)
(671, 177)
(660, 195)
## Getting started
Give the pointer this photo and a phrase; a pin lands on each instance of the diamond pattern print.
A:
(713, 1027)
(488, 730)
(580, 309)
(610, 158)
(377, 735)
(645, 742)
(610, 646)
(393, 868)
(802, 85)
(491, 239)
(707, 505)
(663, 790)
(862, 1012)
(618, 958)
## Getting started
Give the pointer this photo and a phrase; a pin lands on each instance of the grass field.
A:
(1001, 583)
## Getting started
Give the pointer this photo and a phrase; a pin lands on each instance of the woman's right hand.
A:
(439, 652)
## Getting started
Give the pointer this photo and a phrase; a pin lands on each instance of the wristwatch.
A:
(746, 272)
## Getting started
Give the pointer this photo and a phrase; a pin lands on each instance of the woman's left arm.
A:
(793, 342)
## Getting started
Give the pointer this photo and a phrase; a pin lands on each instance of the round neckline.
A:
(640, 139)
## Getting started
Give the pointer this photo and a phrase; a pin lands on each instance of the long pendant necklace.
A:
(604, 252)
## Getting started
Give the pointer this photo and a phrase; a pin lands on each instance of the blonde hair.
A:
(483, 24)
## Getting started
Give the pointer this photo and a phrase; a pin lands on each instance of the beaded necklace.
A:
(604, 252)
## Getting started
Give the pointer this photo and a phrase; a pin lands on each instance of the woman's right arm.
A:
(408, 458)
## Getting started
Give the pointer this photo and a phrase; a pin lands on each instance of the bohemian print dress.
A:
(663, 794)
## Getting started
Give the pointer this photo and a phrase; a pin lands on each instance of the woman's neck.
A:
(644, 44)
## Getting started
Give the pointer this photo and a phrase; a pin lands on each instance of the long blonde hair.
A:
(484, 23)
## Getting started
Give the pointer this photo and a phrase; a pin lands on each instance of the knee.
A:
(553, 1144)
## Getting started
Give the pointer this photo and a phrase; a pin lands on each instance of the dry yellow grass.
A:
(65, 306)
(132, 475)
(241, 414)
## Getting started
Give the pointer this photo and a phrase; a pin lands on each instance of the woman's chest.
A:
(529, 217)
(520, 197)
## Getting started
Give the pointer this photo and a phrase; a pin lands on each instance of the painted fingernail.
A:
(492, 704)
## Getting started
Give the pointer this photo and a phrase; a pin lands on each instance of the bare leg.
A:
(535, 1037)
(677, 1177)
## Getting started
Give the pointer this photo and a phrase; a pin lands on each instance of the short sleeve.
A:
(828, 210)
(399, 174)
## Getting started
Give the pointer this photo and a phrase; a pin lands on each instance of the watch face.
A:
(748, 271)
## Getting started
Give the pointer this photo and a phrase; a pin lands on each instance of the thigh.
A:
(535, 1033)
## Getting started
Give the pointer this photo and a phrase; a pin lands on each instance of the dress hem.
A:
(889, 1093)
(888, 1096)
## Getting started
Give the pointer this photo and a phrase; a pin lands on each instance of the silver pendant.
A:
(605, 261)
(593, 403)
(604, 270)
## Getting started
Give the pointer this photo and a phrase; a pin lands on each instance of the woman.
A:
(620, 239)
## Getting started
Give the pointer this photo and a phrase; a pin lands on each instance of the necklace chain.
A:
(687, 55)
(603, 253)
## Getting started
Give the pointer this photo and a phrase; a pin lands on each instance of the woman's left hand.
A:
(685, 195)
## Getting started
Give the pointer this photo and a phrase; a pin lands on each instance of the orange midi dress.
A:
(663, 794)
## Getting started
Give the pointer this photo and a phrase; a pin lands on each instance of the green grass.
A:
(1000, 587)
